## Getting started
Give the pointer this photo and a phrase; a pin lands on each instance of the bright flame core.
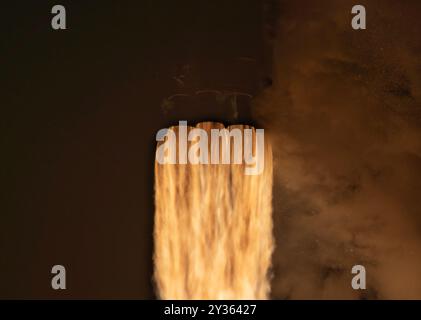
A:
(213, 229)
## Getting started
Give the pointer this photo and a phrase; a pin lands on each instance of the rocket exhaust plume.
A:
(213, 223)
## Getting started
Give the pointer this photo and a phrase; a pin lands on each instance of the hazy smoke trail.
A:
(344, 112)
(213, 230)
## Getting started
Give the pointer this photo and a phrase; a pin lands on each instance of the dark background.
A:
(79, 112)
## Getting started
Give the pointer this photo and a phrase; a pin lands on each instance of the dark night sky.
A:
(79, 113)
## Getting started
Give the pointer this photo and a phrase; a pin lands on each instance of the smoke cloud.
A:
(344, 113)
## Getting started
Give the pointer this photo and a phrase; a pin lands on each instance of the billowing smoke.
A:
(213, 223)
(344, 112)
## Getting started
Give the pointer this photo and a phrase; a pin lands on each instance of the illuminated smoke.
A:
(213, 229)
(344, 112)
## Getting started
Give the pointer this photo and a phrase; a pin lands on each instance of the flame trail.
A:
(213, 229)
